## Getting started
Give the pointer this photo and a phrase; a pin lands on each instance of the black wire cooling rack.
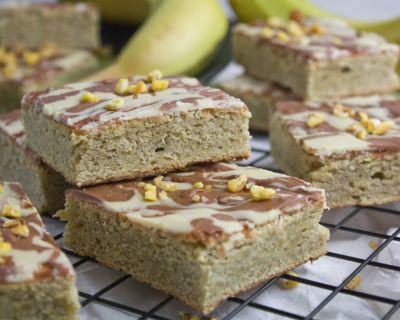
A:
(164, 307)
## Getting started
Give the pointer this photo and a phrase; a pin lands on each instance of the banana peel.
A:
(178, 38)
(248, 10)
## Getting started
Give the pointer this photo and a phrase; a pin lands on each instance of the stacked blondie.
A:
(190, 223)
(326, 94)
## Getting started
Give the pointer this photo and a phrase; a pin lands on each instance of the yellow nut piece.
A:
(163, 195)
(363, 116)
(259, 193)
(11, 223)
(198, 185)
(1, 188)
(317, 29)
(361, 134)
(196, 198)
(114, 105)
(139, 87)
(154, 75)
(354, 282)
(31, 58)
(315, 119)
(11, 211)
(295, 29)
(237, 185)
(158, 85)
(289, 284)
(383, 128)
(5, 247)
(89, 97)
(150, 195)
(341, 111)
(373, 245)
(282, 36)
(164, 185)
(266, 32)
(21, 230)
(150, 187)
(121, 87)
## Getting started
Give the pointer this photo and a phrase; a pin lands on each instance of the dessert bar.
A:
(317, 58)
(202, 235)
(37, 280)
(23, 70)
(110, 130)
(65, 24)
(44, 186)
(351, 149)
(259, 96)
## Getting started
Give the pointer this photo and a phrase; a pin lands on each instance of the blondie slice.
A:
(259, 96)
(112, 130)
(44, 186)
(25, 70)
(317, 58)
(351, 149)
(67, 25)
(201, 235)
(37, 280)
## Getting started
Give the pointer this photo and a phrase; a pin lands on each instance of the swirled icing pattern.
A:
(331, 137)
(184, 94)
(33, 257)
(219, 214)
(338, 40)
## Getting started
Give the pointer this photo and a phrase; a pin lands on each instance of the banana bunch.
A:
(179, 37)
(248, 10)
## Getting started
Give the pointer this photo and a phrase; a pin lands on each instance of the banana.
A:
(248, 10)
(178, 38)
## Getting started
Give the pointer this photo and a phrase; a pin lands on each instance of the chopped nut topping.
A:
(139, 87)
(21, 230)
(158, 85)
(198, 185)
(373, 245)
(362, 134)
(266, 32)
(289, 284)
(383, 128)
(208, 187)
(371, 124)
(237, 185)
(316, 29)
(150, 195)
(295, 29)
(5, 247)
(31, 58)
(354, 282)
(1, 188)
(282, 36)
(121, 87)
(196, 198)
(163, 195)
(363, 116)
(114, 105)
(276, 22)
(164, 185)
(89, 97)
(149, 187)
(315, 119)
(11, 211)
(341, 111)
(259, 193)
(154, 75)
(358, 130)
(11, 223)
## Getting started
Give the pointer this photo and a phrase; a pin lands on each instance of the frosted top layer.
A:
(363, 124)
(317, 39)
(183, 94)
(207, 214)
(27, 251)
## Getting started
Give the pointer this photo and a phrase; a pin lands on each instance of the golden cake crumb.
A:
(89, 97)
(21, 230)
(114, 105)
(198, 185)
(154, 75)
(158, 85)
(373, 245)
(259, 193)
(11, 211)
(315, 119)
(121, 87)
(196, 198)
(139, 87)
(31, 58)
(237, 184)
(289, 284)
(354, 282)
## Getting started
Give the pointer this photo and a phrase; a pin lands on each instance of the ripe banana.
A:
(177, 38)
(248, 10)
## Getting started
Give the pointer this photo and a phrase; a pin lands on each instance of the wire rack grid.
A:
(101, 294)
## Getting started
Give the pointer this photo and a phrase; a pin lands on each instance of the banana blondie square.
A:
(65, 24)
(24, 70)
(317, 58)
(351, 149)
(201, 235)
(111, 130)
(259, 96)
(44, 186)
(37, 280)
